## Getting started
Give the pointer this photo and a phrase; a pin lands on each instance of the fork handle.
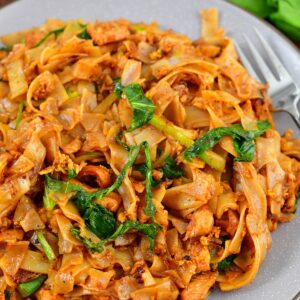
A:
(291, 107)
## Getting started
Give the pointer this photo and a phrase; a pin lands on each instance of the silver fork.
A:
(283, 91)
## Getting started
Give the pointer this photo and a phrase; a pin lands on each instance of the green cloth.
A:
(284, 14)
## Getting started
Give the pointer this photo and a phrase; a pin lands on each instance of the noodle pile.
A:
(135, 163)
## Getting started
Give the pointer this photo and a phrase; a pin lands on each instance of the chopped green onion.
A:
(28, 288)
(45, 245)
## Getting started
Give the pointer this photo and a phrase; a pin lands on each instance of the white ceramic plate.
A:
(279, 277)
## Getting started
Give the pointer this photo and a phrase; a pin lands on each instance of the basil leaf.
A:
(224, 264)
(143, 108)
(55, 32)
(243, 140)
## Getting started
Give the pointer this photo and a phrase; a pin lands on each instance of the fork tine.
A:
(246, 62)
(265, 70)
(281, 70)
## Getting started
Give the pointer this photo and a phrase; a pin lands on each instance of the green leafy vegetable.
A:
(170, 169)
(143, 112)
(45, 245)
(132, 155)
(285, 14)
(55, 32)
(150, 208)
(84, 33)
(142, 168)
(120, 142)
(150, 230)
(28, 288)
(59, 186)
(243, 140)
(93, 247)
(143, 108)
(97, 218)
(118, 88)
(212, 159)
(5, 49)
(48, 202)
(71, 173)
(7, 294)
(224, 264)
(19, 115)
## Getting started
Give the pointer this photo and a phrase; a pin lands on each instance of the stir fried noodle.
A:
(135, 163)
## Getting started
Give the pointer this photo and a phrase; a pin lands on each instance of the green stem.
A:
(211, 158)
(45, 245)
(163, 126)
(133, 153)
(28, 288)
(55, 32)
(48, 202)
